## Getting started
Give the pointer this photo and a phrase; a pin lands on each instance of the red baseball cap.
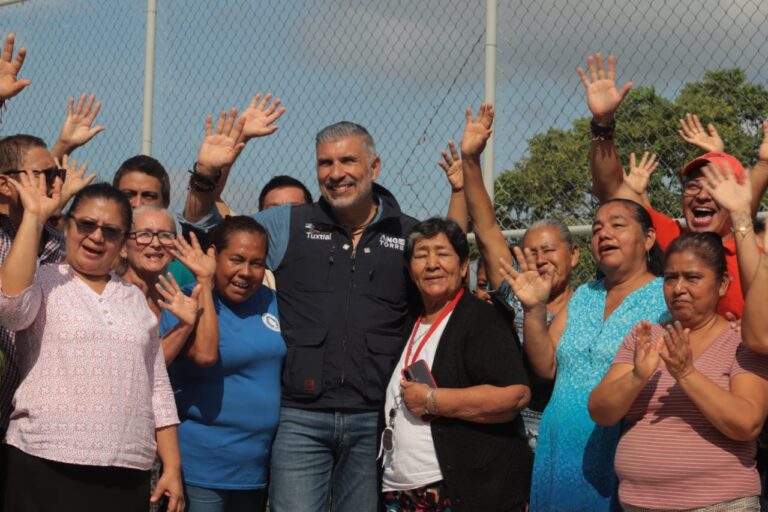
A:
(724, 159)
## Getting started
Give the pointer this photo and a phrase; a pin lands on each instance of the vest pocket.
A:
(383, 351)
(303, 370)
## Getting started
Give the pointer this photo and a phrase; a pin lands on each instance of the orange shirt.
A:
(667, 229)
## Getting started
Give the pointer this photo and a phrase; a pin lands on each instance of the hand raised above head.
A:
(451, 164)
(603, 98)
(692, 132)
(34, 196)
(725, 188)
(221, 145)
(10, 85)
(640, 172)
(477, 130)
(78, 126)
(74, 179)
(260, 117)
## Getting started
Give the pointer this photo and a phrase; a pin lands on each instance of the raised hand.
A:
(477, 131)
(33, 192)
(10, 85)
(260, 117)
(640, 172)
(603, 98)
(74, 180)
(175, 301)
(202, 264)
(78, 125)
(692, 132)
(220, 146)
(725, 189)
(451, 164)
(676, 351)
(646, 353)
(762, 153)
(530, 287)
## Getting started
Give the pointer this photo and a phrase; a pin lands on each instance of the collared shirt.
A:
(667, 229)
(53, 252)
(94, 387)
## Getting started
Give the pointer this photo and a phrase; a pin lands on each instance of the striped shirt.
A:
(53, 252)
(670, 456)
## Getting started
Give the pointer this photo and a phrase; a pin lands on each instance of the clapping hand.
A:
(10, 85)
(451, 164)
(260, 116)
(676, 351)
(175, 301)
(221, 145)
(692, 132)
(640, 172)
(646, 352)
(78, 125)
(529, 286)
(603, 98)
(477, 131)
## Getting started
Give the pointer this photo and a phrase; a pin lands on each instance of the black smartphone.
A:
(419, 372)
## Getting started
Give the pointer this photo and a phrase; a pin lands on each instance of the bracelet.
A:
(742, 230)
(430, 403)
(600, 132)
(200, 182)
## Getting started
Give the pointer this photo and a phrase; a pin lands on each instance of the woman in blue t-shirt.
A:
(229, 407)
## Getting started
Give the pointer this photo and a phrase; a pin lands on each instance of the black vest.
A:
(342, 309)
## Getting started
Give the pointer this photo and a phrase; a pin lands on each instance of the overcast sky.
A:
(404, 69)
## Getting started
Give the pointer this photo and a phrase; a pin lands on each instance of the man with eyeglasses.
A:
(21, 153)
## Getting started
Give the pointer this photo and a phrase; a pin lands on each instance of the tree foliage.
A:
(553, 179)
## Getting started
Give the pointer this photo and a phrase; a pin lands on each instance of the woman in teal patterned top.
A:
(573, 468)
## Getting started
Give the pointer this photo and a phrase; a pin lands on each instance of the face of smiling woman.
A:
(94, 235)
(240, 266)
(437, 271)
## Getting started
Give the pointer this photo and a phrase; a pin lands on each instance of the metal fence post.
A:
(149, 79)
(490, 88)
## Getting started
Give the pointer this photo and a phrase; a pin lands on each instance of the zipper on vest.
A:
(346, 308)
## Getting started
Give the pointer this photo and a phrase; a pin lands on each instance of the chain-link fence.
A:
(405, 70)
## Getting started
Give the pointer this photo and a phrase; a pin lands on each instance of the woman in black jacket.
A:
(453, 439)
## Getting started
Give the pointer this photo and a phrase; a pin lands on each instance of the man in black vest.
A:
(343, 293)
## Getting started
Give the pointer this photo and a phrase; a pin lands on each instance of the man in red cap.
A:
(730, 216)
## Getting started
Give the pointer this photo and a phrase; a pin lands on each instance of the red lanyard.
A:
(446, 310)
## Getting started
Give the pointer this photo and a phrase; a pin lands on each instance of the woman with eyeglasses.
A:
(146, 255)
(94, 404)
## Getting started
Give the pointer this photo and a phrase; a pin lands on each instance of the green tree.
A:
(553, 179)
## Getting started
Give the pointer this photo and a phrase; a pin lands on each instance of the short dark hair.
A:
(149, 166)
(283, 181)
(708, 247)
(108, 192)
(221, 235)
(12, 149)
(655, 260)
(432, 227)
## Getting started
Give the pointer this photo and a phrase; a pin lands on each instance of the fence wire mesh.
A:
(405, 70)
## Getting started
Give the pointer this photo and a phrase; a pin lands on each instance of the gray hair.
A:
(154, 208)
(565, 233)
(343, 129)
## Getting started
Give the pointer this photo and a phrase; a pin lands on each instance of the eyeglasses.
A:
(87, 227)
(50, 174)
(165, 238)
(692, 188)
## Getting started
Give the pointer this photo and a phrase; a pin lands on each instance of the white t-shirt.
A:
(413, 461)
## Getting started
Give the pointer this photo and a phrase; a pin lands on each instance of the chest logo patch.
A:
(271, 322)
(315, 234)
(392, 242)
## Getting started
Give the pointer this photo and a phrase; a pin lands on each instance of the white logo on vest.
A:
(314, 234)
(271, 321)
(392, 242)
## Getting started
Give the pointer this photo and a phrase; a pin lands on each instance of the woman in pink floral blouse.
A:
(94, 403)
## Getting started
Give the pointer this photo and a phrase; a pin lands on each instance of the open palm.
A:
(603, 98)
(529, 286)
(10, 85)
